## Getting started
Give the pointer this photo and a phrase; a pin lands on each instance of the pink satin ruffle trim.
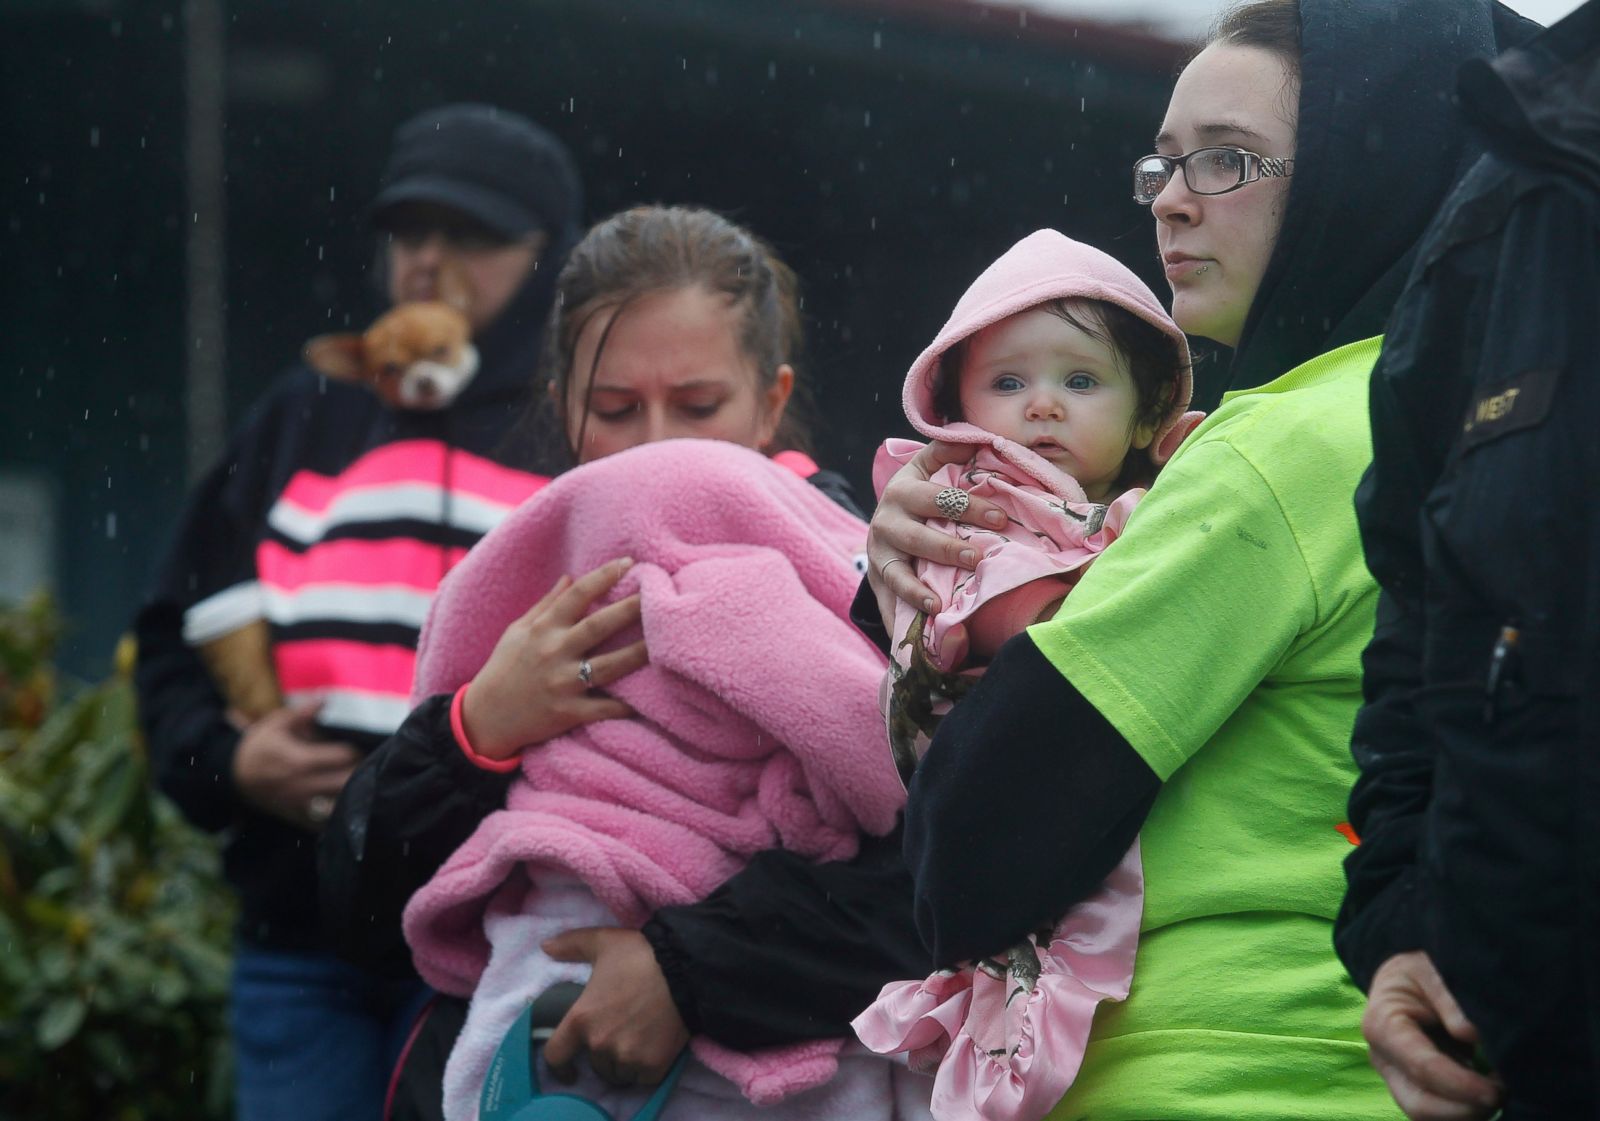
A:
(1013, 1060)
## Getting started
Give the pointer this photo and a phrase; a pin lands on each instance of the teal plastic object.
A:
(511, 1092)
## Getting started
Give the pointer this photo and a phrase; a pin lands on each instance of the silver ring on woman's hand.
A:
(884, 570)
(319, 808)
(952, 502)
(586, 673)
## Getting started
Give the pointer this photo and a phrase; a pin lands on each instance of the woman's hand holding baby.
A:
(898, 532)
(625, 1020)
(531, 690)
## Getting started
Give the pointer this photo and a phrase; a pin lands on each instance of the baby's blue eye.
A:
(1080, 381)
(1008, 383)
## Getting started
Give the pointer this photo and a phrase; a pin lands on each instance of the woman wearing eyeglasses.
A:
(1301, 157)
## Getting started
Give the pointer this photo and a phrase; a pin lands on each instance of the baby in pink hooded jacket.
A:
(1073, 382)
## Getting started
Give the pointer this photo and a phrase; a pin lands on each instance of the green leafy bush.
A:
(114, 921)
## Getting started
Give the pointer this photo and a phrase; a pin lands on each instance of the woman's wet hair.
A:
(1272, 25)
(1269, 25)
(651, 249)
(1148, 351)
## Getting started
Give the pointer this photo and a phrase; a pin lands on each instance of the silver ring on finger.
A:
(319, 808)
(952, 502)
(586, 673)
(884, 570)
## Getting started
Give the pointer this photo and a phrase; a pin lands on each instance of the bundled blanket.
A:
(757, 724)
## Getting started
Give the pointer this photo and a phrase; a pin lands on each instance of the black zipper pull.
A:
(1505, 647)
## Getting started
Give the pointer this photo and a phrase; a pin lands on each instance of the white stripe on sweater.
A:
(223, 612)
(377, 713)
(421, 502)
(347, 603)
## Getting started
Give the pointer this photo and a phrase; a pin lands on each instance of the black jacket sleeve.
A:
(1380, 915)
(1418, 393)
(1022, 740)
(407, 807)
(788, 950)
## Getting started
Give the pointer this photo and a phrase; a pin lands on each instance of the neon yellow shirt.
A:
(1222, 636)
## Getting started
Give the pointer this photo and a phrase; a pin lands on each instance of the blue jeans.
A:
(315, 1037)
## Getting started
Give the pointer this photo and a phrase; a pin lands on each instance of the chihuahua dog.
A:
(416, 356)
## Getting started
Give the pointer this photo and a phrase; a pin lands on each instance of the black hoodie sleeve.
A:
(181, 715)
(866, 619)
(408, 806)
(788, 950)
(181, 711)
(986, 878)
(837, 488)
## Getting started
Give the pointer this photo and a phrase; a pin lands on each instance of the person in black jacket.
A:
(327, 524)
(1473, 906)
(782, 952)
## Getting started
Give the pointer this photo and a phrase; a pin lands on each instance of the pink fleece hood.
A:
(1046, 265)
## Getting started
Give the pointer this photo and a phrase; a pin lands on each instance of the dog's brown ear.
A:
(454, 287)
(337, 356)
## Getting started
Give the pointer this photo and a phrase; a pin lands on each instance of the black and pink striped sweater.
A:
(334, 518)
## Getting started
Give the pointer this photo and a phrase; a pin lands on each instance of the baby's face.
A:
(1038, 380)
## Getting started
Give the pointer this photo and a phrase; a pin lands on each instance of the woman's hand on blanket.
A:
(1421, 1043)
(530, 690)
(625, 1019)
(898, 533)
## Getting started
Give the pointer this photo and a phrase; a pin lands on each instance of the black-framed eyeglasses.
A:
(1207, 171)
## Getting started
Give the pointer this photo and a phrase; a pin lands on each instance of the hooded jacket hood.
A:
(1379, 145)
(1540, 104)
(1045, 266)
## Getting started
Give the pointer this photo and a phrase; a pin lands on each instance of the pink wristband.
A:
(459, 730)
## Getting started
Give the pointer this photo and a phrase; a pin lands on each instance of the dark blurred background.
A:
(166, 255)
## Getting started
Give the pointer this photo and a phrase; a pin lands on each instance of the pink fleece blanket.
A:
(757, 721)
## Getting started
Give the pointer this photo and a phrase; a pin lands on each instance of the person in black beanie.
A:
(331, 518)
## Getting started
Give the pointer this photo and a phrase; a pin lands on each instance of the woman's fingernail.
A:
(927, 605)
(624, 564)
(995, 518)
(968, 558)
